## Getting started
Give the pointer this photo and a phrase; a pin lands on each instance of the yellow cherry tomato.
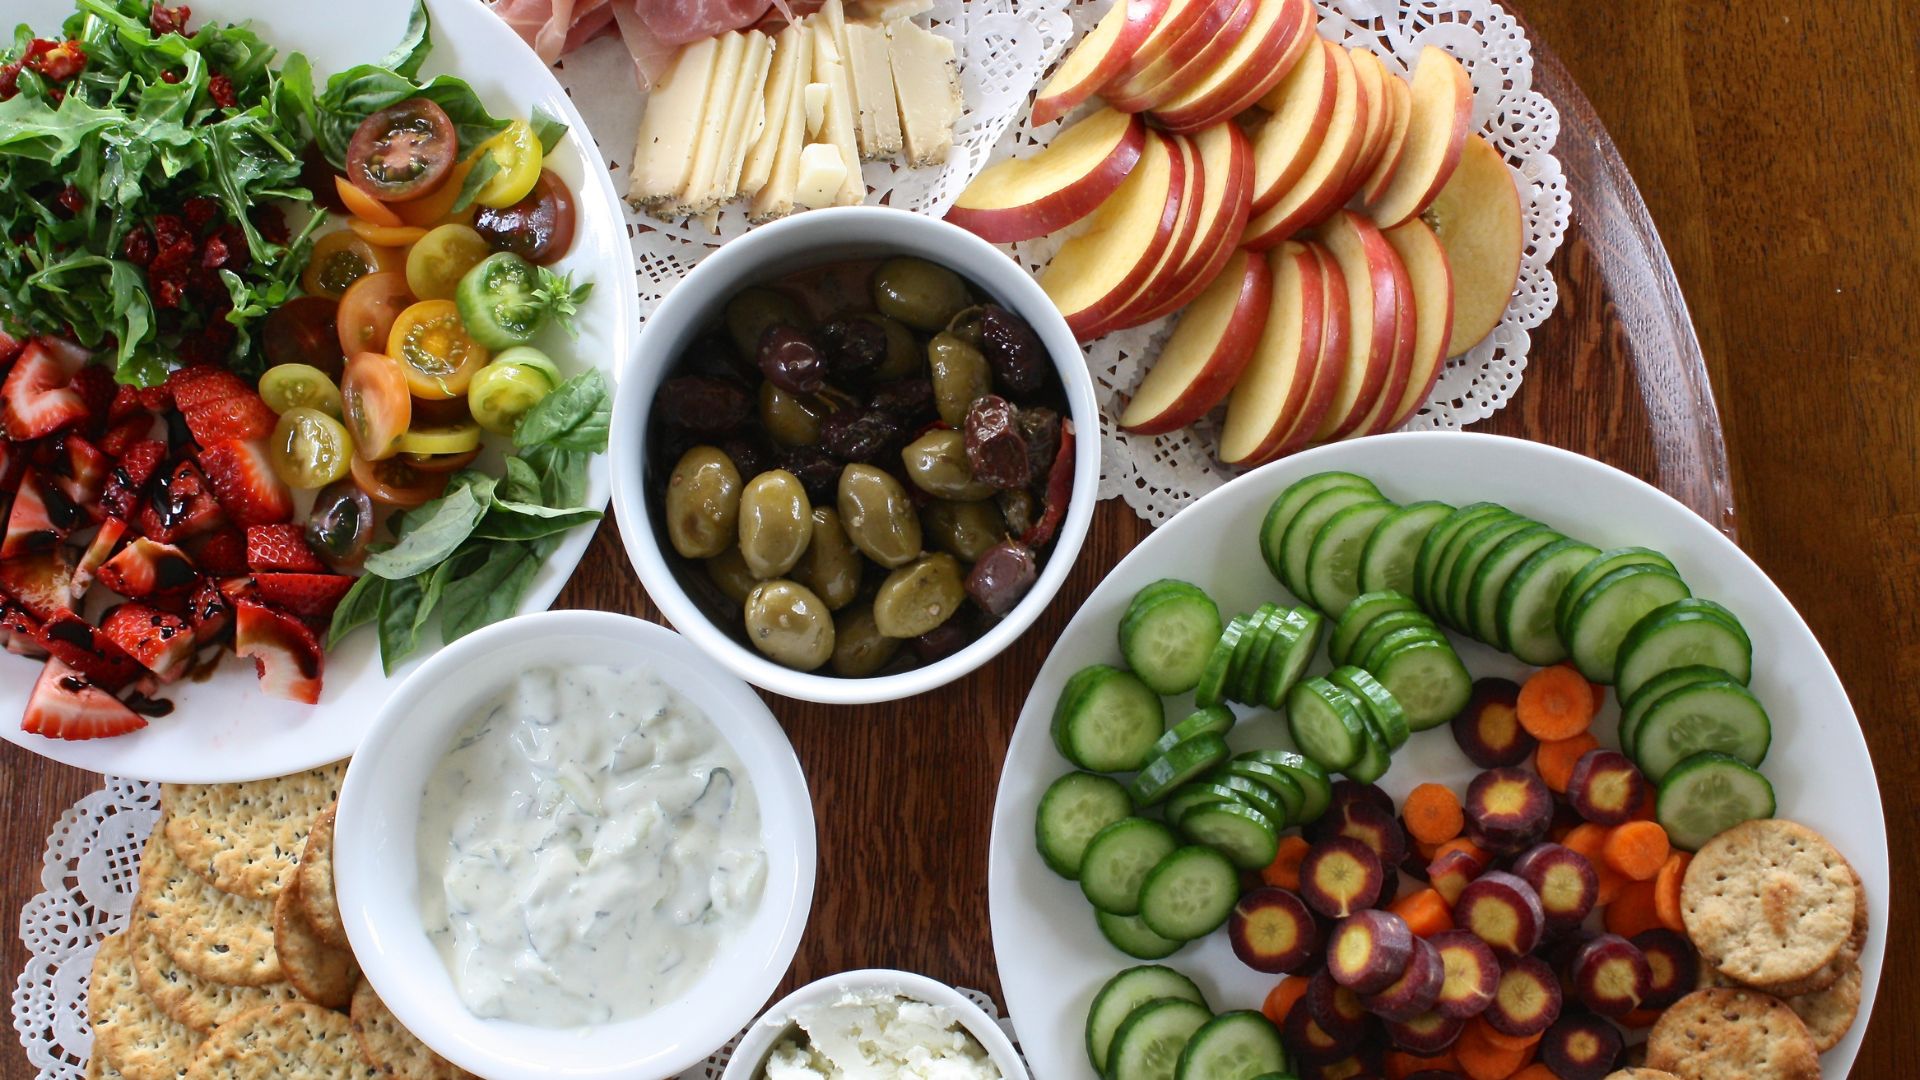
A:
(309, 449)
(502, 393)
(296, 386)
(441, 258)
(518, 154)
(433, 441)
(435, 353)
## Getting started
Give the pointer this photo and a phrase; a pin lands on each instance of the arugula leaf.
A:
(548, 128)
(576, 416)
(30, 128)
(432, 533)
(359, 607)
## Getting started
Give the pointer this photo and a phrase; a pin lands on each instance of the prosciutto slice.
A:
(653, 30)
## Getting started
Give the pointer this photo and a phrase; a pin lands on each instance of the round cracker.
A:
(288, 1040)
(246, 838)
(323, 974)
(130, 1032)
(215, 935)
(1829, 1013)
(200, 1004)
(99, 1068)
(1848, 956)
(1641, 1074)
(1769, 902)
(1721, 1033)
(391, 1049)
(315, 879)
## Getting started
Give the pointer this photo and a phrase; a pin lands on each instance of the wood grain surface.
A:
(1777, 146)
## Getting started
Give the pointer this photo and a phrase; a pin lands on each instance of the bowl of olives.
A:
(859, 454)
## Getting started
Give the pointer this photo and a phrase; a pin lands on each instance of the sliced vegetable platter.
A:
(223, 728)
(1053, 957)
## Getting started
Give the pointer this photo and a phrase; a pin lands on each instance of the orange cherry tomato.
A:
(390, 236)
(434, 350)
(368, 309)
(377, 408)
(438, 463)
(397, 483)
(343, 257)
(364, 206)
(437, 208)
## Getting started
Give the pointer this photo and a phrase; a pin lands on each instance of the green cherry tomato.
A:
(497, 301)
(502, 392)
(528, 356)
(438, 260)
(300, 386)
(309, 449)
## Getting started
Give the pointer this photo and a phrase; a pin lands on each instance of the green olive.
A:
(788, 623)
(905, 357)
(792, 420)
(878, 516)
(937, 464)
(751, 311)
(918, 293)
(832, 565)
(859, 648)
(918, 597)
(966, 529)
(960, 377)
(703, 503)
(776, 523)
(1019, 510)
(728, 572)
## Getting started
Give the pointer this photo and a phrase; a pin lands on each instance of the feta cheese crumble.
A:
(879, 1036)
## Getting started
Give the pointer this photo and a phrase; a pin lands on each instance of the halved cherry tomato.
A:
(440, 412)
(309, 449)
(378, 408)
(436, 264)
(396, 483)
(301, 331)
(518, 154)
(503, 391)
(364, 206)
(434, 349)
(437, 208)
(434, 463)
(403, 151)
(368, 309)
(341, 522)
(389, 236)
(434, 441)
(317, 176)
(296, 386)
(341, 258)
(538, 228)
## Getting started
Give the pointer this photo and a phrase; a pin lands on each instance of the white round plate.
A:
(1052, 958)
(225, 728)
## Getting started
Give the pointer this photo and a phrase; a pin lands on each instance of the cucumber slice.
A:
(1107, 720)
(1299, 639)
(1482, 610)
(1325, 724)
(1598, 623)
(1189, 894)
(1233, 1046)
(1263, 633)
(1168, 638)
(1315, 787)
(1273, 529)
(1238, 831)
(1603, 564)
(1446, 571)
(1359, 614)
(1279, 783)
(1333, 561)
(1377, 758)
(1525, 611)
(1123, 994)
(1387, 562)
(1117, 860)
(1184, 761)
(1296, 547)
(1428, 680)
(1129, 934)
(1634, 707)
(1196, 794)
(1474, 554)
(1390, 623)
(1243, 646)
(1686, 633)
(1148, 1044)
(1376, 702)
(1377, 653)
(1721, 716)
(1706, 795)
(1436, 541)
(1072, 810)
(1212, 689)
(1212, 720)
(1281, 634)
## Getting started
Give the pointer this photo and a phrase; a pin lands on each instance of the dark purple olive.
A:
(1019, 360)
(943, 641)
(790, 360)
(714, 354)
(751, 453)
(819, 473)
(703, 404)
(861, 437)
(1002, 577)
(854, 348)
(341, 522)
(996, 449)
(908, 400)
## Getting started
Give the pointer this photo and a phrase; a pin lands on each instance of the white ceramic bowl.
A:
(757, 1043)
(377, 877)
(813, 239)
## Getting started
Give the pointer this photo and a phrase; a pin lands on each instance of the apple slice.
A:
(1101, 268)
(1280, 32)
(1400, 98)
(1286, 141)
(1275, 388)
(1477, 218)
(1312, 195)
(1430, 291)
(1183, 31)
(1373, 85)
(1208, 350)
(1227, 158)
(1438, 121)
(1367, 263)
(1098, 57)
(1379, 417)
(1069, 178)
(1156, 86)
(1164, 280)
(1328, 368)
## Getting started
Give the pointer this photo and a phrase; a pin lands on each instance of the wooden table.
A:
(1782, 138)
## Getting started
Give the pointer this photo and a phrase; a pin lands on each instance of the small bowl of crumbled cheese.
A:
(875, 1025)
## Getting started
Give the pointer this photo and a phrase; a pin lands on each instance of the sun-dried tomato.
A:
(137, 247)
(213, 254)
(56, 95)
(220, 89)
(169, 20)
(170, 232)
(57, 62)
(234, 239)
(1059, 492)
(172, 76)
(201, 211)
(271, 223)
(167, 291)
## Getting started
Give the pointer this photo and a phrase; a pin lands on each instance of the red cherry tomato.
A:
(373, 396)
(403, 151)
(368, 310)
(396, 483)
(538, 228)
(302, 331)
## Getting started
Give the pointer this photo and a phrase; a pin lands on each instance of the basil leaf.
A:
(563, 474)
(521, 484)
(527, 521)
(432, 533)
(548, 128)
(357, 93)
(488, 594)
(576, 416)
(411, 50)
(359, 607)
(485, 168)
(399, 631)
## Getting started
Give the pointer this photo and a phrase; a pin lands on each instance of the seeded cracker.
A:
(1641, 1074)
(130, 1032)
(1770, 903)
(315, 879)
(200, 1004)
(213, 934)
(246, 838)
(1728, 1034)
(323, 974)
(293, 1040)
(391, 1049)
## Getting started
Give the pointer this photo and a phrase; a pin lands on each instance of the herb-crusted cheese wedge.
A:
(926, 79)
(879, 117)
(712, 129)
(774, 198)
(663, 157)
(838, 126)
(783, 85)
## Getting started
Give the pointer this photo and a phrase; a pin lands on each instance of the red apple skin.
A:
(1218, 228)
(1416, 184)
(1268, 191)
(1311, 196)
(1102, 308)
(1288, 35)
(1432, 292)
(1136, 95)
(1366, 260)
(1184, 30)
(1380, 418)
(1327, 368)
(1165, 278)
(1229, 354)
(1059, 207)
(1141, 16)
(1296, 261)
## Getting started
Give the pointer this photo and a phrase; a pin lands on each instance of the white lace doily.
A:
(89, 876)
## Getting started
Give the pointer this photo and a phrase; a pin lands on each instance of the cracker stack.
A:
(236, 962)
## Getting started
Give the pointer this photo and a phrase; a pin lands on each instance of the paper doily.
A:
(89, 876)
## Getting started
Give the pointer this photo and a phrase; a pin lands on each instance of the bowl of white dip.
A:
(574, 845)
(875, 1024)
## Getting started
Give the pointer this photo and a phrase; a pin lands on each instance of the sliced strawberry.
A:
(222, 553)
(146, 567)
(99, 550)
(127, 432)
(39, 582)
(285, 653)
(197, 384)
(96, 388)
(238, 417)
(179, 505)
(281, 548)
(72, 355)
(35, 399)
(19, 631)
(209, 612)
(236, 589)
(79, 468)
(312, 595)
(67, 705)
(41, 517)
(9, 346)
(73, 641)
(160, 640)
(121, 497)
(244, 482)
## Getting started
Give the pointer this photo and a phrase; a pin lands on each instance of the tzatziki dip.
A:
(587, 845)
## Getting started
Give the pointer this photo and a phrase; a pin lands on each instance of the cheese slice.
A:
(822, 174)
(749, 111)
(663, 154)
(774, 199)
(713, 130)
(926, 83)
(816, 106)
(835, 14)
(891, 10)
(879, 119)
(838, 127)
(782, 86)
